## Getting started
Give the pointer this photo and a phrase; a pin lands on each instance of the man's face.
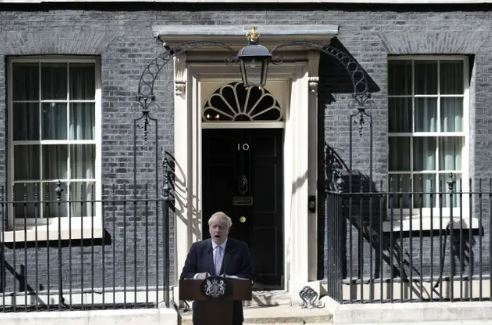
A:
(218, 231)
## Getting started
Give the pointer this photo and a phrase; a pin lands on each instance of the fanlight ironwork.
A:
(234, 102)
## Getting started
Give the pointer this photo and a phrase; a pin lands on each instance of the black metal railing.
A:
(77, 254)
(403, 246)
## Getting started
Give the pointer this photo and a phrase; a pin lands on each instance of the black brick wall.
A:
(120, 35)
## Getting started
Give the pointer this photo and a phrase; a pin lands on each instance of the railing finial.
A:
(59, 190)
(451, 181)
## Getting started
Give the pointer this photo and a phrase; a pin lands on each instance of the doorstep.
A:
(286, 314)
(279, 314)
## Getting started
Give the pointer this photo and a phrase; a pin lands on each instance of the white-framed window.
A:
(53, 135)
(428, 105)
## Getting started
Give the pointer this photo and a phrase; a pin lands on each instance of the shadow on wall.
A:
(378, 253)
(333, 77)
(178, 203)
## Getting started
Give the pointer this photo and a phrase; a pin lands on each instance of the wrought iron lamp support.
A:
(146, 98)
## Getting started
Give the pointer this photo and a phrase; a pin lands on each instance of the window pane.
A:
(450, 153)
(424, 184)
(399, 183)
(54, 80)
(82, 193)
(82, 85)
(82, 121)
(425, 114)
(444, 181)
(399, 148)
(25, 81)
(54, 208)
(425, 77)
(400, 115)
(54, 121)
(452, 77)
(55, 162)
(82, 161)
(424, 153)
(26, 121)
(26, 192)
(26, 165)
(451, 114)
(400, 77)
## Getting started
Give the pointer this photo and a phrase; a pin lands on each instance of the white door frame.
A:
(300, 159)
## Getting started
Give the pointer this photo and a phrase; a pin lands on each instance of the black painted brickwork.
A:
(120, 35)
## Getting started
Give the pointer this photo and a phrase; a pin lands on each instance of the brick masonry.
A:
(120, 35)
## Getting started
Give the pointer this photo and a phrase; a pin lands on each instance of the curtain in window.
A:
(82, 85)
(55, 162)
(451, 114)
(26, 121)
(424, 184)
(25, 81)
(425, 96)
(400, 115)
(451, 75)
(26, 192)
(82, 161)
(54, 121)
(399, 148)
(425, 77)
(425, 114)
(65, 115)
(424, 153)
(53, 81)
(82, 195)
(400, 77)
(82, 122)
(400, 183)
(450, 153)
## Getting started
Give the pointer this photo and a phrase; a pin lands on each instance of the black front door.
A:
(242, 176)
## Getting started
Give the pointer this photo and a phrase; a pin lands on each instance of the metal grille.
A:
(378, 252)
(116, 259)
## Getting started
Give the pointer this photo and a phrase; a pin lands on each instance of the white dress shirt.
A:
(218, 258)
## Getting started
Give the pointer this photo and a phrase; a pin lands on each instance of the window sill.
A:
(404, 225)
(50, 232)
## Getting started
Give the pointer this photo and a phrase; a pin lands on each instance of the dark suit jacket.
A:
(237, 261)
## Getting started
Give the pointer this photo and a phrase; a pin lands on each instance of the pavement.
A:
(281, 314)
(436, 313)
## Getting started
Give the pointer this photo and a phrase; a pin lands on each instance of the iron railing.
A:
(85, 254)
(385, 246)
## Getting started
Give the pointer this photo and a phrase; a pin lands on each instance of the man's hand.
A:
(201, 276)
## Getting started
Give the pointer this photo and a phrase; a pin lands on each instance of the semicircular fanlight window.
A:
(234, 102)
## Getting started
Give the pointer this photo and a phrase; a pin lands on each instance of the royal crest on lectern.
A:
(214, 287)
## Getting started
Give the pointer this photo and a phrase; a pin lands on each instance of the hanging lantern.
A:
(253, 61)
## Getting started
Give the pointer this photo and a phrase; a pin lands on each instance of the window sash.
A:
(74, 136)
(444, 127)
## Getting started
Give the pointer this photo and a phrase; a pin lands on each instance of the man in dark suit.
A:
(219, 255)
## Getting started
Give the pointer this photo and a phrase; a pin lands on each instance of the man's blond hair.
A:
(220, 217)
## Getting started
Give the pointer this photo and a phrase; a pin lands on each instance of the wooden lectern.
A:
(216, 311)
